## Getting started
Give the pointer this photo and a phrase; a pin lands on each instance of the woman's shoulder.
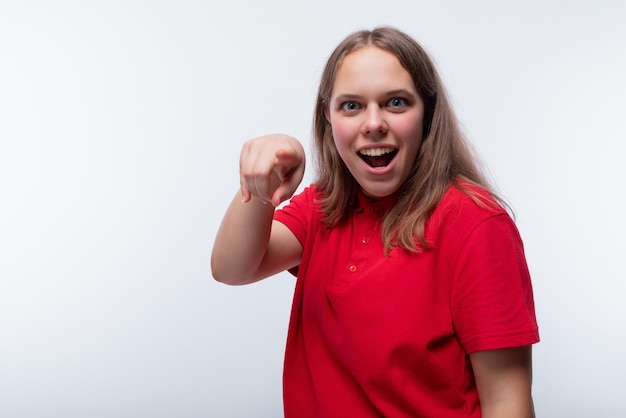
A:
(308, 194)
(466, 204)
(304, 200)
(463, 195)
(299, 212)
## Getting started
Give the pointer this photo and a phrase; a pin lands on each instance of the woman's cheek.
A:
(344, 133)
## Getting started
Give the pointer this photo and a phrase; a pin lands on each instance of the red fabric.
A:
(371, 336)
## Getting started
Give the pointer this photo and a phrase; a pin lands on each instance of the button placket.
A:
(362, 235)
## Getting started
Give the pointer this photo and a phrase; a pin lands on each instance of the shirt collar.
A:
(379, 205)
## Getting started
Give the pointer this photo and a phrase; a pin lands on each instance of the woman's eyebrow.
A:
(400, 92)
(347, 96)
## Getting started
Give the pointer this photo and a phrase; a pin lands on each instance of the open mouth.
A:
(378, 157)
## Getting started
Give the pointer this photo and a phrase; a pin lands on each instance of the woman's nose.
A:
(374, 123)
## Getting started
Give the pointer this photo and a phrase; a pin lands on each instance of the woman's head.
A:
(376, 115)
(410, 55)
(442, 156)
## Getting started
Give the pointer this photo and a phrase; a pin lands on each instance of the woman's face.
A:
(376, 116)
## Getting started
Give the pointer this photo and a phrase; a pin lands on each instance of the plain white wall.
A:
(120, 128)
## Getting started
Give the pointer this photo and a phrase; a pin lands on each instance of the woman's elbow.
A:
(223, 274)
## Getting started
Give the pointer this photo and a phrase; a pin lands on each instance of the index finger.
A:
(286, 157)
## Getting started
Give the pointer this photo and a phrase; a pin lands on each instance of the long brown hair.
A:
(444, 157)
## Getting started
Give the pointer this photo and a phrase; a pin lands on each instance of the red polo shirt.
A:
(373, 336)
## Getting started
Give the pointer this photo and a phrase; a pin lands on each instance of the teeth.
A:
(376, 152)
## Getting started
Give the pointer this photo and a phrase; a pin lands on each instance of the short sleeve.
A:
(492, 298)
(296, 215)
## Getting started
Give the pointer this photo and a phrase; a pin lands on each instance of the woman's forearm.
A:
(241, 241)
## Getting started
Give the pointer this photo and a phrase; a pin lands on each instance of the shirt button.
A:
(352, 268)
(369, 209)
(365, 240)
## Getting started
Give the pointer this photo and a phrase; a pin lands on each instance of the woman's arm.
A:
(504, 380)
(249, 245)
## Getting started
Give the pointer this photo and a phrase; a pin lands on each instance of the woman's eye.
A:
(349, 106)
(397, 102)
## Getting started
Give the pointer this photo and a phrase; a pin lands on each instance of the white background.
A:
(120, 129)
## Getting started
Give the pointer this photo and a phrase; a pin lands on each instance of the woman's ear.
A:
(326, 110)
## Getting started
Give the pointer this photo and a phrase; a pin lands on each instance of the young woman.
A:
(413, 297)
